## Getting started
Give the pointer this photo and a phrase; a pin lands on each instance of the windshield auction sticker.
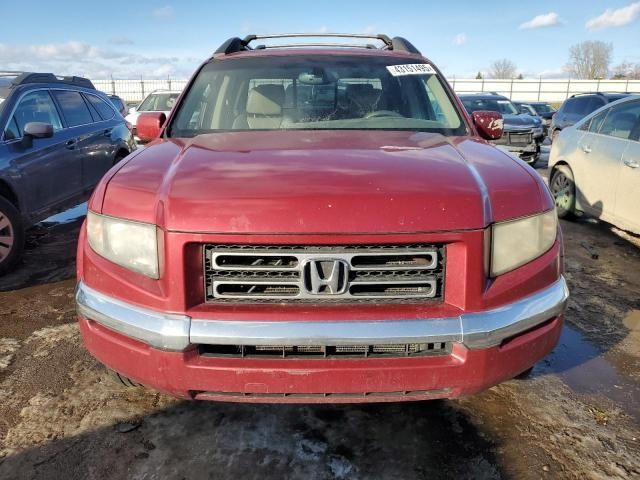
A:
(411, 69)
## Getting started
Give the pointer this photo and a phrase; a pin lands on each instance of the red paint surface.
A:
(489, 124)
(462, 372)
(149, 125)
(319, 188)
(322, 182)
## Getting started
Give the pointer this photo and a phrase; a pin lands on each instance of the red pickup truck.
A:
(320, 222)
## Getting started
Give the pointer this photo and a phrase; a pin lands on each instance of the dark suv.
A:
(578, 106)
(522, 134)
(58, 137)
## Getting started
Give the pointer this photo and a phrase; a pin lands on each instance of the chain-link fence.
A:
(529, 90)
(543, 90)
(133, 91)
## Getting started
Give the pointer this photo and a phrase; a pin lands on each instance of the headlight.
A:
(132, 245)
(517, 242)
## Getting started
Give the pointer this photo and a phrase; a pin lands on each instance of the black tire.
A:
(11, 235)
(120, 156)
(525, 374)
(534, 159)
(563, 189)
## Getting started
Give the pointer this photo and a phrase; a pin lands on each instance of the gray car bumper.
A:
(177, 332)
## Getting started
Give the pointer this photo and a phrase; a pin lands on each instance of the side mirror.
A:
(488, 124)
(36, 130)
(149, 125)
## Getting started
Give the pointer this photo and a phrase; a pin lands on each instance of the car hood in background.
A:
(322, 182)
(520, 122)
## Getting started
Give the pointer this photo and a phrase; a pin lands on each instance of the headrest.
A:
(265, 99)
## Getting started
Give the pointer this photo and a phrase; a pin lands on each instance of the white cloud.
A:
(460, 39)
(79, 58)
(615, 18)
(540, 21)
(164, 13)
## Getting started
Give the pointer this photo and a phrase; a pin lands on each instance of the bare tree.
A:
(626, 71)
(503, 69)
(590, 59)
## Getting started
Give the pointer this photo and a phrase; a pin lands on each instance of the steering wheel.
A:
(382, 114)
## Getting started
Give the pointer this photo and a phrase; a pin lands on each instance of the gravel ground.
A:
(576, 416)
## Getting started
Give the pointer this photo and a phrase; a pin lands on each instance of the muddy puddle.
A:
(586, 370)
(49, 252)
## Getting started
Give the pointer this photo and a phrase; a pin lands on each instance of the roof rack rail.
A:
(599, 93)
(237, 44)
(31, 77)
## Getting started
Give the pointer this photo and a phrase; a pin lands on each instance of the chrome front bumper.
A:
(176, 332)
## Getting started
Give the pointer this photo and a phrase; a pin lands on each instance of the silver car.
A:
(594, 166)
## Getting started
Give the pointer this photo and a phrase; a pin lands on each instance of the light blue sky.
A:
(154, 39)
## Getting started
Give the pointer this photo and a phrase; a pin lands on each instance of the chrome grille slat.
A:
(283, 272)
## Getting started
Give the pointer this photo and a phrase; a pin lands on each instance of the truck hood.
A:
(519, 122)
(321, 182)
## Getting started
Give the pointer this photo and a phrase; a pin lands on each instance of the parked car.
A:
(306, 226)
(156, 101)
(524, 108)
(58, 137)
(522, 134)
(578, 106)
(539, 109)
(594, 166)
(120, 105)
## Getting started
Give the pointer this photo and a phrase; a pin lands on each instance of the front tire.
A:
(563, 188)
(11, 235)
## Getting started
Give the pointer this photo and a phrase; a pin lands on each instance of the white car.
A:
(594, 165)
(156, 101)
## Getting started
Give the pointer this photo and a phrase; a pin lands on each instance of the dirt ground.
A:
(576, 416)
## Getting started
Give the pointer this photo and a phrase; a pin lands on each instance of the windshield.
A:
(505, 107)
(316, 92)
(158, 102)
(542, 108)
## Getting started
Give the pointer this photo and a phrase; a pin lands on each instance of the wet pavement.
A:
(576, 416)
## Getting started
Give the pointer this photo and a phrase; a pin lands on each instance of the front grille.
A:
(513, 138)
(326, 351)
(342, 273)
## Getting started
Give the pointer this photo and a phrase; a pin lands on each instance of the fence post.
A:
(169, 81)
(626, 89)
(598, 86)
(142, 86)
(454, 83)
(113, 86)
(482, 86)
(568, 86)
(511, 89)
(539, 86)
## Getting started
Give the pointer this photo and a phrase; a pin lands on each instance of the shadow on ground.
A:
(207, 440)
